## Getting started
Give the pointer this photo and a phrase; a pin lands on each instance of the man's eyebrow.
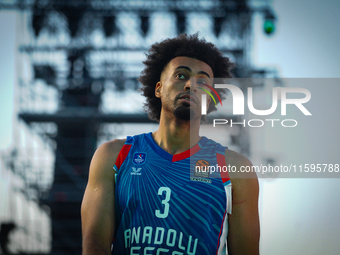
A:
(189, 69)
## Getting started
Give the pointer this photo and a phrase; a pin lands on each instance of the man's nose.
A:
(190, 84)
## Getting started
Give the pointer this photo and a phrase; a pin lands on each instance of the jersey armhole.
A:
(123, 153)
(225, 180)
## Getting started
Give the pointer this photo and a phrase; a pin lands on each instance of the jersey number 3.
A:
(165, 202)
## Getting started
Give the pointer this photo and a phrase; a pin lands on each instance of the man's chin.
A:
(184, 113)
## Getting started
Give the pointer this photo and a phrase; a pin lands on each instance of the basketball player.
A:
(144, 197)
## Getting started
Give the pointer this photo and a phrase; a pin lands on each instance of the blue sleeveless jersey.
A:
(164, 205)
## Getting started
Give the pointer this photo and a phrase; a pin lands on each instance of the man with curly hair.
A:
(144, 194)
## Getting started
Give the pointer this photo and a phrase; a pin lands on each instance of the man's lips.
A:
(188, 97)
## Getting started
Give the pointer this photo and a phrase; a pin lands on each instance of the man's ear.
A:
(158, 89)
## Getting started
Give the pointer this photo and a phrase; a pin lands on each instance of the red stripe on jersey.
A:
(221, 162)
(122, 155)
(186, 154)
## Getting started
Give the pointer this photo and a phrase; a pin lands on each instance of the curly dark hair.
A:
(160, 54)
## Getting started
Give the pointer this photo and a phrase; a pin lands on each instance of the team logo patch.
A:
(139, 158)
(202, 168)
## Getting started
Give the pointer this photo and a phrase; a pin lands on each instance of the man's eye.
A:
(201, 82)
(180, 76)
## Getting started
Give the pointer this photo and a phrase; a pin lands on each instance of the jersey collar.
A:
(177, 157)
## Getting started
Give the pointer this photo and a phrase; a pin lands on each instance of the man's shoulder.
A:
(113, 146)
(108, 151)
(244, 184)
(235, 158)
(239, 163)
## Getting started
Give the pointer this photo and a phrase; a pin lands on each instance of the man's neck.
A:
(176, 136)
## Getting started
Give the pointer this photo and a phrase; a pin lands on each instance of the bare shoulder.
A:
(240, 163)
(110, 148)
(97, 209)
(244, 224)
(245, 184)
(105, 156)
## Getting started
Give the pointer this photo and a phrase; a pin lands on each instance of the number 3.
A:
(165, 202)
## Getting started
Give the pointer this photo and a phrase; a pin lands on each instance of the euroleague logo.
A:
(202, 168)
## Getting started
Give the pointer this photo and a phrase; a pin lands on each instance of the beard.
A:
(183, 112)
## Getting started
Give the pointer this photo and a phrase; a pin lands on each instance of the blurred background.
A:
(68, 83)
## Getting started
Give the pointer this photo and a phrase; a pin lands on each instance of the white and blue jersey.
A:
(163, 205)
